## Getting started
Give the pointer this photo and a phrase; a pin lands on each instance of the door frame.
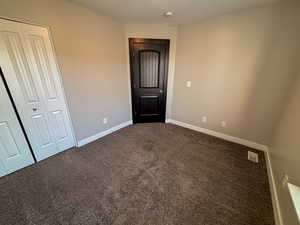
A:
(165, 83)
(155, 31)
(24, 21)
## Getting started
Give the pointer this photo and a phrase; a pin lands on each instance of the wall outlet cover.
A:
(252, 156)
(189, 83)
(204, 119)
(285, 180)
(223, 124)
(104, 120)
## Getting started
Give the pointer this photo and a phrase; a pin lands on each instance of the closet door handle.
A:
(34, 109)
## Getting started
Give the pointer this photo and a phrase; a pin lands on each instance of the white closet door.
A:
(14, 150)
(30, 68)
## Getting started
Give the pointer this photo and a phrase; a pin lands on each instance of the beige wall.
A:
(91, 55)
(284, 149)
(285, 152)
(285, 145)
(156, 31)
(241, 66)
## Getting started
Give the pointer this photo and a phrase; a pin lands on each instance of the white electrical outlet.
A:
(204, 119)
(253, 157)
(285, 180)
(104, 120)
(223, 124)
(188, 83)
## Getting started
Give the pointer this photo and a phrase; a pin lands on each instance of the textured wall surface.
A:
(241, 66)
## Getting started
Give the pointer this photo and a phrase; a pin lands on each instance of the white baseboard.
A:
(168, 120)
(227, 137)
(275, 200)
(103, 133)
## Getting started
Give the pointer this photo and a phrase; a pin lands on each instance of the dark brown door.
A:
(149, 71)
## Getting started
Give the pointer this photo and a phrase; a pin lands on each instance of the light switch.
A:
(223, 124)
(188, 83)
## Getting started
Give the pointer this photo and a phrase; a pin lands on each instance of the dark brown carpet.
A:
(146, 174)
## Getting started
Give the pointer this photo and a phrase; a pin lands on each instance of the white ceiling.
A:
(151, 11)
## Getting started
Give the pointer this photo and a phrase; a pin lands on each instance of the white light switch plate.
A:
(188, 83)
(285, 180)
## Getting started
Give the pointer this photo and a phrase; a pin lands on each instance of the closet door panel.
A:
(41, 53)
(14, 150)
(30, 69)
(19, 73)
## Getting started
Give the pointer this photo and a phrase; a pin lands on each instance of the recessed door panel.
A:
(41, 125)
(149, 69)
(7, 143)
(29, 64)
(60, 123)
(149, 105)
(20, 65)
(43, 65)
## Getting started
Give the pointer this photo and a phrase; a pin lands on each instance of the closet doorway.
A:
(30, 70)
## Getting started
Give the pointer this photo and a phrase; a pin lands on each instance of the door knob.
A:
(161, 91)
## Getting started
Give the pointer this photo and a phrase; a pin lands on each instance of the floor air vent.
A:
(253, 157)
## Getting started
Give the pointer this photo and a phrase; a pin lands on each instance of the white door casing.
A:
(14, 150)
(30, 69)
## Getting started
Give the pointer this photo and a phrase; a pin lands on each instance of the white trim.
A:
(227, 137)
(128, 74)
(275, 200)
(22, 20)
(168, 120)
(103, 133)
